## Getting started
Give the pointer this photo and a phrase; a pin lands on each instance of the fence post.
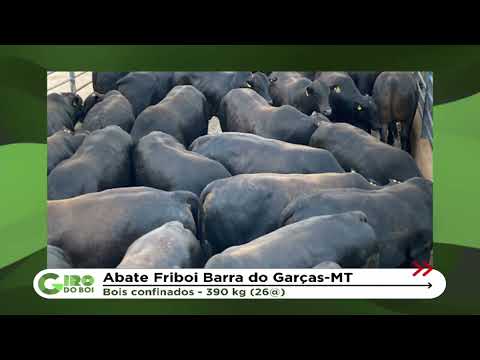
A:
(426, 98)
(71, 76)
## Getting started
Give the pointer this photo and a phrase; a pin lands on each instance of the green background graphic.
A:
(23, 159)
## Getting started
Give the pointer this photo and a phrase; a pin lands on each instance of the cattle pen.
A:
(80, 82)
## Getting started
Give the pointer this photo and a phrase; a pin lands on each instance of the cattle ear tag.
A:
(337, 89)
(359, 108)
(306, 93)
(248, 85)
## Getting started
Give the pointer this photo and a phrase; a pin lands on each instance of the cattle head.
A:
(349, 105)
(90, 102)
(316, 97)
(75, 105)
(272, 79)
(365, 112)
(259, 82)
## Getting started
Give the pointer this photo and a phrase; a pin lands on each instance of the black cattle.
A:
(308, 74)
(348, 104)
(248, 154)
(239, 209)
(62, 145)
(183, 113)
(95, 230)
(63, 111)
(57, 259)
(163, 163)
(292, 88)
(327, 265)
(171, 246)
(400, 214)
(104, 82)
(319, 118)
(243, 110)
(356, 150)
(396, 96)
(364, 80)
(143, 89)
(110, 109)
(346, 239)
(101, 162)
(260, 83)
(80, 131)
(89, 103)
(216, 84)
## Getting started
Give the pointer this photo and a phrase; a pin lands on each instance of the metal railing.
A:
(72, 79)
(425, 87)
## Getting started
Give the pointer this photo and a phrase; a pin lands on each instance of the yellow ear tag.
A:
(337, 89)
(359, 108)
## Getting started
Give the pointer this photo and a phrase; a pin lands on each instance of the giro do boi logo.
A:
(51, 283)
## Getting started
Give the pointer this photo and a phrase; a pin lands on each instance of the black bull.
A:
(239, 209)
(401, 216)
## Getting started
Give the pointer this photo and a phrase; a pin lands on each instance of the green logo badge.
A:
(71, 283)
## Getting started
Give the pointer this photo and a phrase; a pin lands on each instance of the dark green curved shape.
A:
(23, 107)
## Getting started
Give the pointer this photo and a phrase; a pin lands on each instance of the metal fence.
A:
(71, 79)
(425, 87)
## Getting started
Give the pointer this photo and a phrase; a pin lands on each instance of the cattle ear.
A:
(309, 91)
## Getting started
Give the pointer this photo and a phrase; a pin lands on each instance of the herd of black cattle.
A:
(296, 179)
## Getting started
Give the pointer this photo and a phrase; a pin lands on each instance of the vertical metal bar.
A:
(427, 128)
(71, 76)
